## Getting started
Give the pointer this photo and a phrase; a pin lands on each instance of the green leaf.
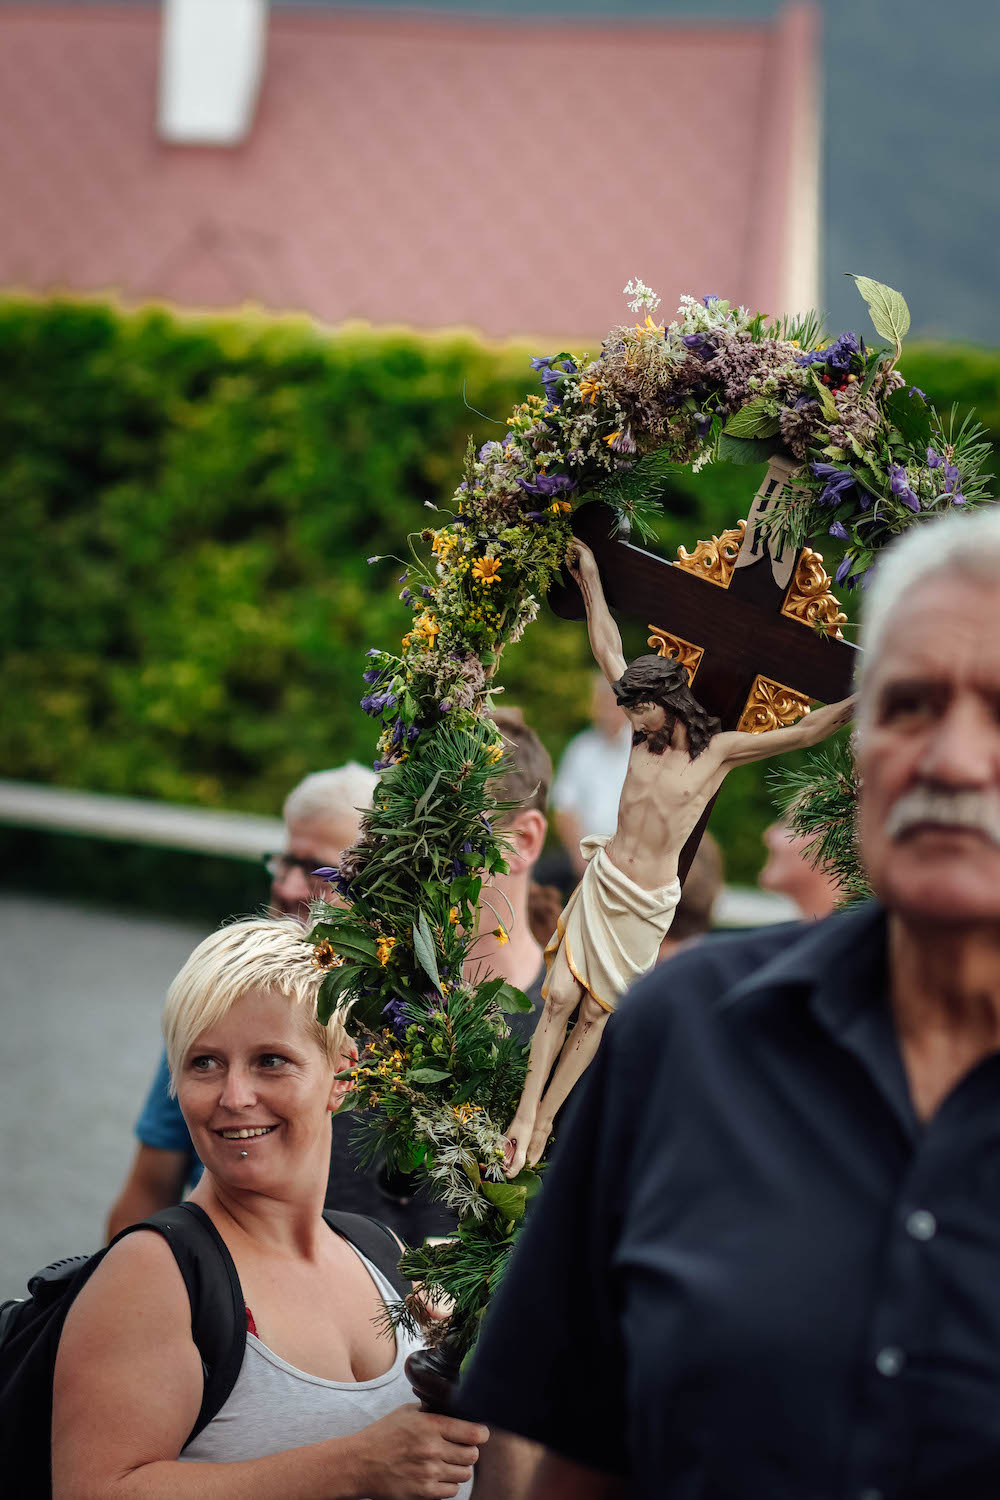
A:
(912, 418)
(743, 451)
(755, 420)
(348, 938)
(426, 1075)
(507, 1197)
(512, 1001)
(825, 399)
(337, 986)
(422, 803)
(887, 308)
(423, 947)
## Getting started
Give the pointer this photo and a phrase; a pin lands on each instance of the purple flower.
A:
(427, 593)
(836, 356)
(623, 442)
(837, 486)
(953, 478)
(916, 391)
(445, 706)
(710, 297)
(548, 485)
(839, 531)
(412, 732)
(371, 676)
(934, 459)
(326, 873)
(533, 515)
(403, 576)
(551, 374)
(372, 651)
(702, 422)
(374, 559)
(376, 704)
(395, 1014)
(406, 596)
(843, 570)
(701, 344)
(901, 489)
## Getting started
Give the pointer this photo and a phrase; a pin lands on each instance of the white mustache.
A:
(977, 810)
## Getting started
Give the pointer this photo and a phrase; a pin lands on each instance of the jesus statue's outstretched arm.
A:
(605, 637)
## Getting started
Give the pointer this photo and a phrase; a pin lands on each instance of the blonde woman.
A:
(320, 1409)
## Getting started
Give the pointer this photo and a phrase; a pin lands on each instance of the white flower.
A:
(642, 297)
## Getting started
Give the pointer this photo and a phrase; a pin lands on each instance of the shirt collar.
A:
(841, 964)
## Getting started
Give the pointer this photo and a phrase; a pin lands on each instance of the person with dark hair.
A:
(612, 927)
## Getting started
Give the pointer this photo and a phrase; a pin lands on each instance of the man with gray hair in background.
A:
(764, 1264)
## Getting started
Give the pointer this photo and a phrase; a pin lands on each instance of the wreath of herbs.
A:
(439, 1074)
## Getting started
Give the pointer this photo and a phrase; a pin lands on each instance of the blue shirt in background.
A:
(161, 1123)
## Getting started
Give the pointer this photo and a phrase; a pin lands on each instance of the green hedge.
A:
(188, 506)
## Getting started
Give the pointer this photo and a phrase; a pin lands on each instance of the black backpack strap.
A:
(376, 1242)
(218, 1312)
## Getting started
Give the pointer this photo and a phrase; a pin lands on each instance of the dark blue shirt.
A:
(752, 1273)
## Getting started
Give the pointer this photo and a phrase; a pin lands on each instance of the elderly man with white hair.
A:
(766, 1262)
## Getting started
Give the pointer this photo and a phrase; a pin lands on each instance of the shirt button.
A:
(889, 1361)
(921, 1225)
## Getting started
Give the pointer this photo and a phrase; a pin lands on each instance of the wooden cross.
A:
(758, 630)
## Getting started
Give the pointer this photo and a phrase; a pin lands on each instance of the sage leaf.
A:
(423, 947)
(426, 1075)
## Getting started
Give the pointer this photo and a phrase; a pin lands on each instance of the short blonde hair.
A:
(260, 953)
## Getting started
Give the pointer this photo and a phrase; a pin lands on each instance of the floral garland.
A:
(439, 1074)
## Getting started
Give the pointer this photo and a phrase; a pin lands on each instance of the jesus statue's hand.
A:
(581, 562)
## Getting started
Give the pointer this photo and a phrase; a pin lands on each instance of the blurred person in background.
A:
(699, 893)
(790, 872)
(321, 820)
(588, 784)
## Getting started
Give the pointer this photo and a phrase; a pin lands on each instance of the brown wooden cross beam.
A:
(758, 632)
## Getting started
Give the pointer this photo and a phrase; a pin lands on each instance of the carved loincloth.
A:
(611, 929)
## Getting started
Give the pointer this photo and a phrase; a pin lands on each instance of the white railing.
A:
(137, 820)
(248, 835)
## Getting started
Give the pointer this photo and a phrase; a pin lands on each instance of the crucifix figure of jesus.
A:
(610, 931)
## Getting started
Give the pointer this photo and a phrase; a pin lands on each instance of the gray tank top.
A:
(274, 1407)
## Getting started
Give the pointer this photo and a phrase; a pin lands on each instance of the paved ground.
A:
(80, 998)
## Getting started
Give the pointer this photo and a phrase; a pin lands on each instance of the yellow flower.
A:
(443, 543)
(486, 569)
(589, 388)
(501, 935)
(324, 956)
(427, 627)
(453, 915)
(611, 437)
(384, 947)
(560, 508)
(494, 753)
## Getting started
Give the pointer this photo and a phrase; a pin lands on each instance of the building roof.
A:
(432, 170)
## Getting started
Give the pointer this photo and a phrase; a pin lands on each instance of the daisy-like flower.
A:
(325, 956)
(500, 933)
(560, 508)
(486, 570)
(589, 388)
